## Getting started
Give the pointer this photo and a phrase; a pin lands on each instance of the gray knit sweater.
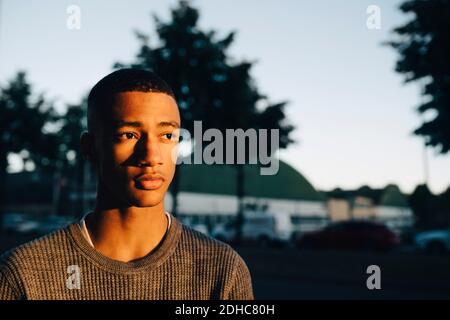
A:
(63, 265)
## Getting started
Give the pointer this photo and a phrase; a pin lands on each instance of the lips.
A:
(149, 181)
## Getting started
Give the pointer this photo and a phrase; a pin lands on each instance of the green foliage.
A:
(23, 119)
(424, 49)
(73, 123)
(208, 85)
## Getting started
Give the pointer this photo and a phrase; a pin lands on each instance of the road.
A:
(289, 273)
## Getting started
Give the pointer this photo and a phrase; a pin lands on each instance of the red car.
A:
(351, 235)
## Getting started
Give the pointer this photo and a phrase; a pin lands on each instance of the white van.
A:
(259, 226)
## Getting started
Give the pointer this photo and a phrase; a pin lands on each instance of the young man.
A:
(128, 247)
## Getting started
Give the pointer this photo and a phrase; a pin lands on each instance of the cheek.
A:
(170, 153)
(112, 158)
(121, 152)
(169, 161)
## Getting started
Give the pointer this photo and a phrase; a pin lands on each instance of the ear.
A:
(87, 145)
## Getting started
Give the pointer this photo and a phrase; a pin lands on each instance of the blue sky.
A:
(353, 114)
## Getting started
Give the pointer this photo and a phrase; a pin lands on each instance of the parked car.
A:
(53, 222)
(259, 227)
(433, 241)
(12, 220)
(19, 223)
(224, 232)
(351, 235)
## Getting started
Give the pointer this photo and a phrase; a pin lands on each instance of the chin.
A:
(147, 200)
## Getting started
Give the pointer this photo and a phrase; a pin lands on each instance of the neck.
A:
(129, 233)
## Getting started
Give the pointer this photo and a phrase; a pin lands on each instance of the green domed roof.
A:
(288, 183)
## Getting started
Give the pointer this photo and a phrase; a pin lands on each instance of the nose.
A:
(149, 152)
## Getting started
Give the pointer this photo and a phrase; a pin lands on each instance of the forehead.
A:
(146, 107)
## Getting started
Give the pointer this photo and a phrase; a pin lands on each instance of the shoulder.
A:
(32, 253)
(208, 249)
(219, 257)
(194, 239)
(29, 261)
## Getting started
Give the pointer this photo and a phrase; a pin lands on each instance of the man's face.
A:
(136, 148)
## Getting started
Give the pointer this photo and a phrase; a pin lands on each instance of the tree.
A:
(22, 122)
(208, 85)
(444, 199)
(240, 96)
(57, 152)
(70, 163)
(444, 206)
(424, 48)
(422, 202)
(192, 62)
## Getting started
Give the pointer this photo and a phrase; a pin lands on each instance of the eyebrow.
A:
(138, 124)
(169, 124)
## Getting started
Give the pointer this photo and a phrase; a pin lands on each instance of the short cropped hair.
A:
(123, 80)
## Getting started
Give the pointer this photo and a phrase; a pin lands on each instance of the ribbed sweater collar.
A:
(152, 260)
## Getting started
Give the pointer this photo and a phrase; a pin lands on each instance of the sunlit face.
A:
(140, 138)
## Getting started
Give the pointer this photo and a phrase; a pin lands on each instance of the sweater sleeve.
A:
(241, 284)
(7, 292)
(9, 289)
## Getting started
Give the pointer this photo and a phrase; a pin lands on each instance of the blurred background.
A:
(360, 91)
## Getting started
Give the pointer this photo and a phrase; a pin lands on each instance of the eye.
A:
(171, 136)
(125, 136)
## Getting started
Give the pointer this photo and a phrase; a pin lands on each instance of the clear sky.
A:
(353, 114)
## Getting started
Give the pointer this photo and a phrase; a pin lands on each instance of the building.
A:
(207, 194)
(388, 205)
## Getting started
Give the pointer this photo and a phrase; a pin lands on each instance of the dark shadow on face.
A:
(118, 166)
(117, 182)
